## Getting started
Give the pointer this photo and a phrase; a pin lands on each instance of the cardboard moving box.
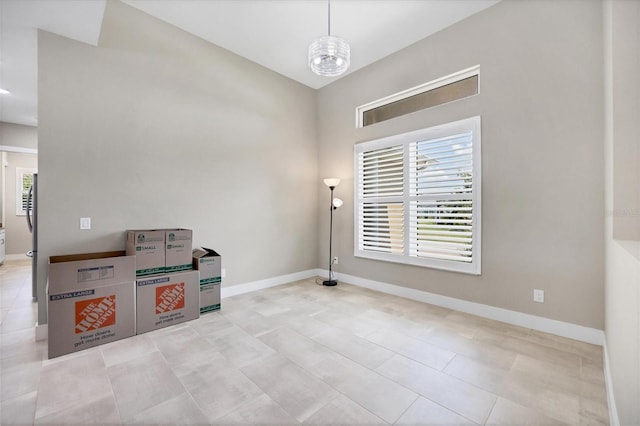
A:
(164, 300)
(81, 319)
(209, 264)
(148, 248)
(178, 250)
(90, 270)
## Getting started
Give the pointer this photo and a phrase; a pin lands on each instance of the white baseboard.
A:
(269, 282)
(42, 332)
(608, 380)
(559, 328)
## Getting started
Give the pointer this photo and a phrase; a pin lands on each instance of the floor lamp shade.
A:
(332, 182)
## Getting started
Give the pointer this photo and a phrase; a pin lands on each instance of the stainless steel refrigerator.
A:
(32, 223)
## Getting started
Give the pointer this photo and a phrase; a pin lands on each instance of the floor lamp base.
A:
(330, 282)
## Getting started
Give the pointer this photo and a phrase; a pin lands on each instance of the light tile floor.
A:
(301, 353)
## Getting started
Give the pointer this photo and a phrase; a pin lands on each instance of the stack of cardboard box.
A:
(159, 281)
(166, 287)
(209, 263)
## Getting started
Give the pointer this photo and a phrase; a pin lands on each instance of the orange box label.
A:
(96, 313)
(169, 298)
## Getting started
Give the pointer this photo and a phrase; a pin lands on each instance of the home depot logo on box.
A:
(96, 313)
(169, 298)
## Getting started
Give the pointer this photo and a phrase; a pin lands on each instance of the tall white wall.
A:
(622, 184)
(157, 128)
(541, 103)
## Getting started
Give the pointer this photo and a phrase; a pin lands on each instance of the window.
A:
(459, 85)
(418, 197)
(24, 180)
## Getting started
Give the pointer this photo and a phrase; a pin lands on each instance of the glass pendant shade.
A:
(329, 56)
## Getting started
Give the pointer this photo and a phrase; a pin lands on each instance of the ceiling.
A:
(272, 33)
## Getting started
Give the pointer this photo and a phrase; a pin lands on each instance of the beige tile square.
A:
(102, 411)
(219, 389)
(259, 411)
(450, 339)
(538, 394)
(180, 410)
(293, 388)
(143, 383)
(359, 327)
(19, 410)
(397, 323)
(592, 371)
(343, 411)
(558, 378)
(507, 412)
(127, 349)
(557, 375)
(587, 350)
(537, 351)
(306, 325)
(252, 322)
(415, 349)
(72, 381)
(594, 411)
(381, 396)
(21, 317)
(353, 347)
(559, 405)
(210, 323)
(470, 322)
(299, 349)
(20, 343)
(458, 396)
(486, 377)
(245, 351)
(225, 335)
(426, 412)
(20, 375)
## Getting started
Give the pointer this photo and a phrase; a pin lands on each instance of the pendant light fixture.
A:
(329, 56)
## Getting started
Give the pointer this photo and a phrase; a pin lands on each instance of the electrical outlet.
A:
(538, 296)
(335, 260)
(85, 223)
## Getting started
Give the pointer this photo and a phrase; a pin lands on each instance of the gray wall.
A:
(17, 135)
(189, 135)
(541, 102)
(622, 149)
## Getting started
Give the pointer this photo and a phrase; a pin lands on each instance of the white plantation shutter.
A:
(441, 182)
(24, 180)
(381, 212)
(418, 197)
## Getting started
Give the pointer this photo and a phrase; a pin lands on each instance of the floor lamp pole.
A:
(330, 281)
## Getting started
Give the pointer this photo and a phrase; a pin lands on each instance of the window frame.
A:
(417, 90)
(21, 172)
(472, 124)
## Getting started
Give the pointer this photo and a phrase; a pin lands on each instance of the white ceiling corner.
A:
(272, 33)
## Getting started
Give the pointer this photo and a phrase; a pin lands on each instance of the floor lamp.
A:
(335, 203)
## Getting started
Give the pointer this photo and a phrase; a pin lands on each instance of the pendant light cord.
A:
(329, 16)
